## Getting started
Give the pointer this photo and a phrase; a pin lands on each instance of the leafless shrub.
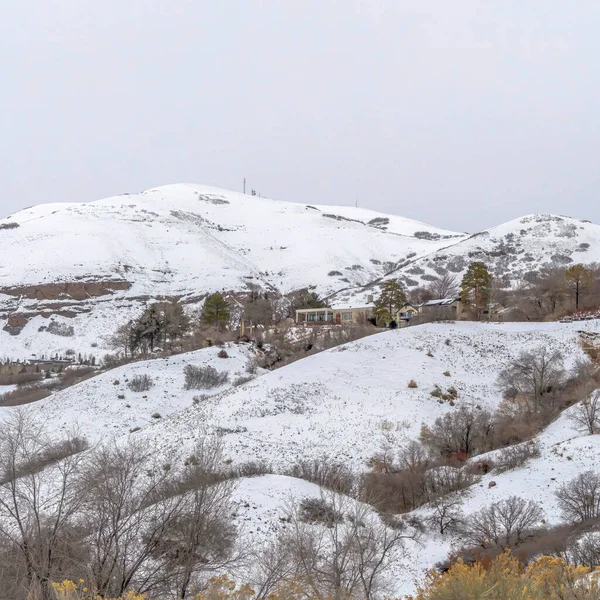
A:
(23, 395)
(554, 541)
(318, 510)
(507, 522)
(111, 361)
(443, 480)
(223, 354)
(12, 225)
(62, 329)
(481, 466)
(251, 366)
(436, 392)
(140, 383)
(344, 559)
(585, 550)
(250, 469)
(197, 378)
(399, 483)
(586, 415)
(74, 375)
(412, 384)
(20, 378)
(460, 433)
(241, 380)
(326, 473)
(579, 498)
(515, 457)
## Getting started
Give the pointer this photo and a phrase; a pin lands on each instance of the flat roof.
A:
(332, 309)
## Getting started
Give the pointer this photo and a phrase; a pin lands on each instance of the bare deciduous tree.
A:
(150, 531)
(464, 432)
(127, 516)
(38, 502)
(534, 374)
(579, 498)
(586, 415)
(506, 523)
(585, 551)
(443, 286)
(345, 559)
(446, 513)
(201, 538)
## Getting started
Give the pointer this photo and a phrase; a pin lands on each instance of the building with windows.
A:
(343, 315)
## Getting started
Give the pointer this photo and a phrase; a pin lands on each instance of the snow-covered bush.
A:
(318, 510)
(140, 383)
(198, 378)
(12, 225)
(514, 457)
(326, 473)
(241, 380)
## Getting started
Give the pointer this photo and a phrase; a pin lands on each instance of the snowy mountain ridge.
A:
(182, 239)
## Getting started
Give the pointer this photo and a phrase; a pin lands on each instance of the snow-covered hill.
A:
(105, 405)
(186, 239)
(95, 265)
(343, 402)
(514, 252)
(348, 403)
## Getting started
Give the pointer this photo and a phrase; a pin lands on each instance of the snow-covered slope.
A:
(97, 264)
(183, 239)
(344, 402)
(105, 406)
(513, 251)
(347, 403)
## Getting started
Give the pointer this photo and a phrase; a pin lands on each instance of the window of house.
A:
(346, 316)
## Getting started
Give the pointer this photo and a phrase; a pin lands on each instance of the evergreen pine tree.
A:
(476, 288)
(391, 299)
(215, 310)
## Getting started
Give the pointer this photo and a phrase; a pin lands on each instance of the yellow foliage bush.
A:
(501, 578)
(69, 590)
(504, 578)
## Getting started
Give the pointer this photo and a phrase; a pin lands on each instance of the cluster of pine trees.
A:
(165, 324)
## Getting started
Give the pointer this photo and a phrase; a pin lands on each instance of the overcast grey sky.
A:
(460, 113)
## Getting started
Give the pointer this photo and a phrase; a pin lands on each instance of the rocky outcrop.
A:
(75, 290)
(70, 297)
